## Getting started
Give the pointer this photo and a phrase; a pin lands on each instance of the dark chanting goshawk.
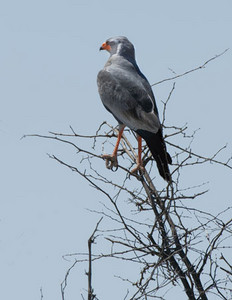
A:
(127, 94)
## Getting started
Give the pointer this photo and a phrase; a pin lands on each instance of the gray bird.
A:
(127, 94)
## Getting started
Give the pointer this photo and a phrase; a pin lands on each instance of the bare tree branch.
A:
(91, 295)
(193, 70)
(151, 225)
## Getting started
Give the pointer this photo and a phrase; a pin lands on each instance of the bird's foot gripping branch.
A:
(111, 161)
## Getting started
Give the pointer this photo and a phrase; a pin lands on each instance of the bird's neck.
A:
(126, 52)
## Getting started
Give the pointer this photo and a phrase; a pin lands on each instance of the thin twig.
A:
(190, 71)
(91, 296)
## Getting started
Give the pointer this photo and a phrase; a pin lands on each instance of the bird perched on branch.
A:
(127, 94)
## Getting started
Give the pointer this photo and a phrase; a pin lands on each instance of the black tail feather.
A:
(156, 144)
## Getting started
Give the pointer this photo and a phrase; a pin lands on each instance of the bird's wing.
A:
(146, 85)
(123, 93)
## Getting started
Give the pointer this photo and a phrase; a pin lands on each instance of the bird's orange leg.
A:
(111, 160)
(139, 150)
(139, 165)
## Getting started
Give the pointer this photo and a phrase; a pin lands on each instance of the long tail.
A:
(156, 144)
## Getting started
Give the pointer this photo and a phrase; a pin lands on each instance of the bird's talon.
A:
(111, 162)
(138, 168)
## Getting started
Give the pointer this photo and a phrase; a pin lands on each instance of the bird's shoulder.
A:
(121, 68)
(124, 94)
(120, 72)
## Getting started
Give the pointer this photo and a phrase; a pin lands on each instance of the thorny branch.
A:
(190, 71)
(165, 247)
(170, 242)
(91, 240)
(65, 281)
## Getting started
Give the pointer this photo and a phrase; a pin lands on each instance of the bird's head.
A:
(119, 45)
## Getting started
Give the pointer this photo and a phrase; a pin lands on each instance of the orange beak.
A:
(105, 46)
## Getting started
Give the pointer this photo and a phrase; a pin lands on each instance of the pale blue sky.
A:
(49, 60)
